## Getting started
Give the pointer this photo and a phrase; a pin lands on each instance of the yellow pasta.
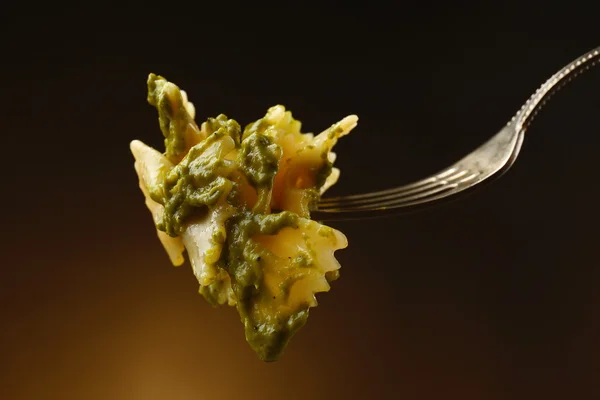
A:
(238, 201)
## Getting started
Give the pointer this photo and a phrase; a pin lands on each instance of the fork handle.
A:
(531, 107)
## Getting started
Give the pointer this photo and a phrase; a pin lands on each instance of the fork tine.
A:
(425, 186)
(390, 202)
(393, 191)
(349, 214)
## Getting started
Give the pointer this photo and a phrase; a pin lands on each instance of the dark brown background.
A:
(492, 297)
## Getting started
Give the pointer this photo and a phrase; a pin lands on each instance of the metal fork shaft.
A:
(491, 159)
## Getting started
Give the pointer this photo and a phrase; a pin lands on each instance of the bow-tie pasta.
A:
(238, 201)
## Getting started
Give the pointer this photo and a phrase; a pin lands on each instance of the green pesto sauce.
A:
(192, 186)
(196, 182)
(259, 159)
(241, 258)
(172, 115)
(228, 126)
(269, 340)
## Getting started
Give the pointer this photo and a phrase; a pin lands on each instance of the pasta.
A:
(238, 201)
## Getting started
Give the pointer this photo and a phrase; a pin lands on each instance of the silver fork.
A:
(491, 159)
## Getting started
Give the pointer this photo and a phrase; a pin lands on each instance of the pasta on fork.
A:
(238, 201)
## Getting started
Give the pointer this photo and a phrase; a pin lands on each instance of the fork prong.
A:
(390, 202)
(349, 214)
(425, 185)
(395, 190)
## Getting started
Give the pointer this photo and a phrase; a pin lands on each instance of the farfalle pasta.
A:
(238, 202)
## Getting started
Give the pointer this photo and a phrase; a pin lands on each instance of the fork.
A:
(490, 160)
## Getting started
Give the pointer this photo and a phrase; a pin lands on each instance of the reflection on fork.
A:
(490, 160)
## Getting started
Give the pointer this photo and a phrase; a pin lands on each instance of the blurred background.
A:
(494, 296)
